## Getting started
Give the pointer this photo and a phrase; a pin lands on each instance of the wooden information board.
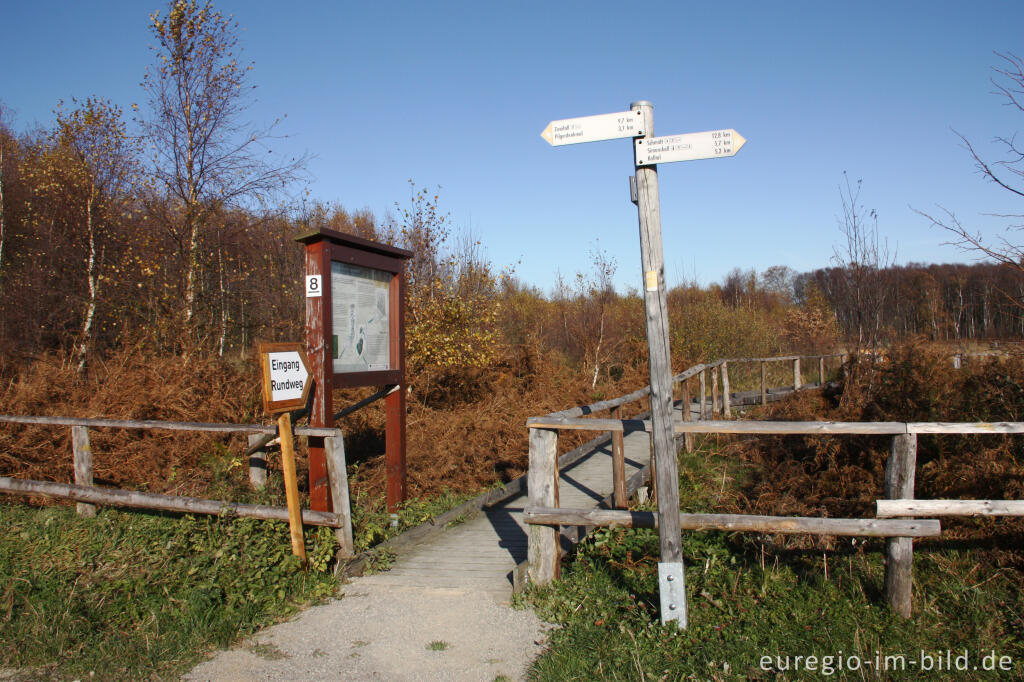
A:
(355, 336)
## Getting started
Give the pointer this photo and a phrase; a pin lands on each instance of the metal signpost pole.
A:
(671, 580)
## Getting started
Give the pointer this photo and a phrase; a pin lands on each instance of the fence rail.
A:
(88, 496)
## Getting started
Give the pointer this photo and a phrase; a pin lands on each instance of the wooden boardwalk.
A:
(482, 553)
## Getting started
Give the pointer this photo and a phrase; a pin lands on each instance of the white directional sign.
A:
(711, 144)
(594, 128)
(285, 373)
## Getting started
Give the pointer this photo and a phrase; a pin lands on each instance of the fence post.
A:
(257, 463)
(714, 391)
(688, 437)
(703, 394)
(899, 552)
(764, 382)
(726, 402)
(542, 485)
(618, 463)
(334, 449)
(82, 451)
(796, 374)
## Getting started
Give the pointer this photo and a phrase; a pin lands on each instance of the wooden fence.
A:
(87, 495)
(545, 515)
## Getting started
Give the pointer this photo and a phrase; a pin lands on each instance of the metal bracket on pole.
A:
(672, 587)
(634, 196)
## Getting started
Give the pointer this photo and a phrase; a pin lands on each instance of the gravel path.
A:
(376, 631)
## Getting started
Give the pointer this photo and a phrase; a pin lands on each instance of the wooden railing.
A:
(545, 515)
(87, 495)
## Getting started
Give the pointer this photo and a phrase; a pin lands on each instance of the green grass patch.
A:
(752, 597)
(130, 595)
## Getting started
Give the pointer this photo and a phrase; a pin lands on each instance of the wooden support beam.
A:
(726, 398)
(821, 370)
(542, 485)
(897, 508)
(714, 392)
(703, 394)
(154, 424)
(334, 448)
(796, 374)
(618, 464)
(687, 438)
(83, 465)
(764, 382)
(136, 499)
(899, 551)
(257, 454)
(736, 522)
(719, 426)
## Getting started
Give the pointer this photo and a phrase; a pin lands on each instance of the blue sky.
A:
(456, 94)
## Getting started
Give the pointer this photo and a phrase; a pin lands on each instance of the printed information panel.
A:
(360, 319)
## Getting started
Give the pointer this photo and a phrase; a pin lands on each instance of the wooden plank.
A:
(337, 472)
(141, 500)
(966, 427)
(899, 484)
(718, 426)
(726, 406)
(153, 424)
(821, 371)
(257, 455)
(897, 508)
(703, 395)
(83, 466)
(764, 382)
(737, 522)
(797, 380)
(618, 463)
(714, 392)
(543, 491)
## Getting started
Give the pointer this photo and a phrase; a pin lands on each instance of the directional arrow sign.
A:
(594, 128)
(712, 144)
(285, 374)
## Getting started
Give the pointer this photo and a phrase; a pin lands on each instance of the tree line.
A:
(176, 235)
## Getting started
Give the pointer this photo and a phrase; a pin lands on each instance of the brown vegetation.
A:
(843, 475)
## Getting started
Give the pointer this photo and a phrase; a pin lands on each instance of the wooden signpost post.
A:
(286, 384)
(355, 336)
(638, 123)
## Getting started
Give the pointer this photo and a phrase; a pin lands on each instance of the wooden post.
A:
(687, 438)
(336, 470)
(542, 485)
(291, 485)
(257, 462)
(796, 374)
(899, 551)
(82, 451)
(318, 353)
(726, 402)
(618, 464)
(703, 394)
(714, 391)
(821, 370)
(764, 382)
(670, 566)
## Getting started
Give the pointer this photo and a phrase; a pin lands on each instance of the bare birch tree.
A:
(205, 156)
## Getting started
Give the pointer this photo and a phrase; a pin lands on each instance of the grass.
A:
(134, 595)
(130, 595)
(438, 645)
(752, 597)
